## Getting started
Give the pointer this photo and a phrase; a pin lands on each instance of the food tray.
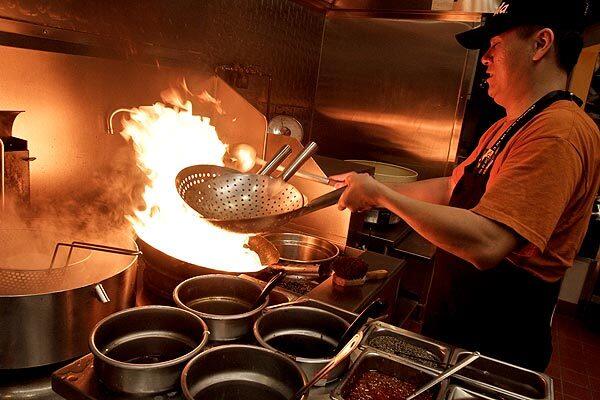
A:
(371, 360)
(420, 347)
(491, 375)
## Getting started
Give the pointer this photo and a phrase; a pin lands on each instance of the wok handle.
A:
(328, 199)
(299, 161)
(277, 159)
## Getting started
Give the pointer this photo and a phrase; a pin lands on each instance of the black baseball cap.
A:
(556, 14)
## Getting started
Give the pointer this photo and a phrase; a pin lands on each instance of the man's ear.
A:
(544, 38)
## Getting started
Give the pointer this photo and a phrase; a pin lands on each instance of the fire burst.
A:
(166, 140)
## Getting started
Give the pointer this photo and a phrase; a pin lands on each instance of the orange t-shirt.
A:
(542, 186)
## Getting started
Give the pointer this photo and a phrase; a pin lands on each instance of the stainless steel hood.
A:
(477, 6)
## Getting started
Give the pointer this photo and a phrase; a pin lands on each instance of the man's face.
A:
(508, 62)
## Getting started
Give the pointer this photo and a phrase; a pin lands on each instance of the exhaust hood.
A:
(477, 6)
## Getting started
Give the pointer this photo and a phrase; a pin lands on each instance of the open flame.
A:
(166, 140)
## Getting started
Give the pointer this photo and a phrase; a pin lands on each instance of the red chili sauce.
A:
(373, 385)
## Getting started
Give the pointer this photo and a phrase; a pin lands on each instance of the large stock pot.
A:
(47, 310)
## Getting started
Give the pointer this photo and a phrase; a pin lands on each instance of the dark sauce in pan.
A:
(220, 306)
(150, 350)
(374, 385)
(239, 390)
(303, 345)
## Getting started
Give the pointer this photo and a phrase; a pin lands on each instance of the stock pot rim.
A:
(131, 366)
(218, 317)
(281, 356)
(259, 337)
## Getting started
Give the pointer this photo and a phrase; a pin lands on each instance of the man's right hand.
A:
(362, 192)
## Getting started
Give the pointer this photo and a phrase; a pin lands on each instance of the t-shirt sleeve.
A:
(532, 188)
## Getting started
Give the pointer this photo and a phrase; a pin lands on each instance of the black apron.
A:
(504, 312)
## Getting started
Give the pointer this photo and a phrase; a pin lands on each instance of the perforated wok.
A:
(251, 203)
(187, 179)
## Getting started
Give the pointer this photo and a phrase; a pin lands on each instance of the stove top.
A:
(78, 380)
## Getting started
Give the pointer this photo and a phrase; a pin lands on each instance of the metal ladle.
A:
(268, 288)
(375, 309)
(450, 371)
(339, 357)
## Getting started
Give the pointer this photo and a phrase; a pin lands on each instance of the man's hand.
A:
(362, 191)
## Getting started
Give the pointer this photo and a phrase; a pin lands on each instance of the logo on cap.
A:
(502, 8)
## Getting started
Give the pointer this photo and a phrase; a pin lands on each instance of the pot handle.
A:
(90, 246)
(268, 309)
(101, 294)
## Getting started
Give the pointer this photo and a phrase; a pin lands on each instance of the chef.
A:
(509, 221)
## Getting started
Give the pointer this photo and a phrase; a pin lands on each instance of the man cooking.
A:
(511, 218)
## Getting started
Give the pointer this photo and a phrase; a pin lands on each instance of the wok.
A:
(250, 203)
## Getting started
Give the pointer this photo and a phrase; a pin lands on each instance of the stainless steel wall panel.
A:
(282, 37)
(390, 89)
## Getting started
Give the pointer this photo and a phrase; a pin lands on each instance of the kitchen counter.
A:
(355, 298)
(414, 245)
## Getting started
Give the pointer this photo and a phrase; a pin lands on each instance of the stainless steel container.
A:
(143, 350)
(307, 335)
(395, 367)
(46, 322)
(461, 393)
(241, 372)
(494, 376)
(223, 302)
(410, 346)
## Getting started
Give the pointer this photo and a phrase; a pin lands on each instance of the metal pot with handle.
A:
(50, 304)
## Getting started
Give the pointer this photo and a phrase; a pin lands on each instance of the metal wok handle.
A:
(328, 199)
(272, 165)
(299, 161)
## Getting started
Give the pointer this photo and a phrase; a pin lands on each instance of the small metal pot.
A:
(241, 372)
(223, 301)
(307, 335)
(143, 350)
